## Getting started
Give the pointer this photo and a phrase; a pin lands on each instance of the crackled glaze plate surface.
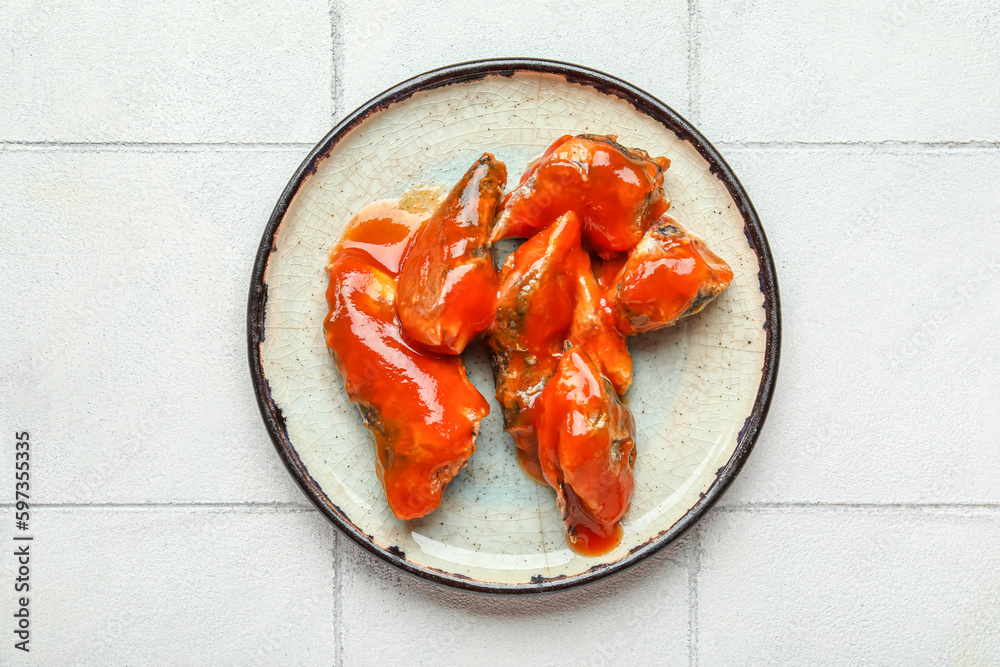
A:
(700, 392)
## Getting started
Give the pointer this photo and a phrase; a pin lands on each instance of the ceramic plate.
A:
(701, 389)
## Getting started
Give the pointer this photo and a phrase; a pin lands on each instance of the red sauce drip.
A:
(383, 231)
(530, 465)
(586, 536)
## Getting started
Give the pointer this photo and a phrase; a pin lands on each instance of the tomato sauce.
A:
(421, 409)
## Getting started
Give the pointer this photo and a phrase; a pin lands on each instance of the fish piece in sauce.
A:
(616, 192)
(421, 409)
(586, 450)
(670, 274)
(594, 328)
(534, 313)
(447, 286)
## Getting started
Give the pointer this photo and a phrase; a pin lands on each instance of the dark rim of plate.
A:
(644, 103)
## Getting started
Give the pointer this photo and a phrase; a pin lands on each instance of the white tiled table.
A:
(142, 147)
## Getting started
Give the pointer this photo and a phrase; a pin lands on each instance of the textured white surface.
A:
(695, 384)
(866, 578)
(891, 586)
(644, 43)
(636, 618)
(177, 586)
(180, 70)
(785, 70)
(128, 358)
(898, 403)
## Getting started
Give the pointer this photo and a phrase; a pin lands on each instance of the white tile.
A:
(849, 588)
(175, 71)
(124, 277)
(172, 587)
(637, 617)
(887, 265)
(645, 43)
(782, 70)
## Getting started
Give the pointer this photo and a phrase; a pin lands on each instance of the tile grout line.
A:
(296, 145)
(857, 507)
(97, 146)
(336, 60)
(854, 145)
(694, 71)
(744, 507)
(338, 613)
(694, 567)
(292, 507)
